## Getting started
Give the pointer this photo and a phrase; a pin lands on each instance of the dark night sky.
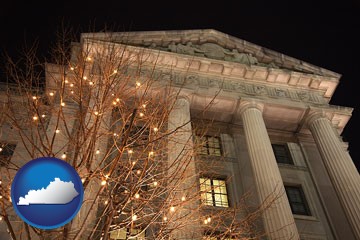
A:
(322, 33)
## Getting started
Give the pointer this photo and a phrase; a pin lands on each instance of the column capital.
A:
(315, 115)
(250, 103)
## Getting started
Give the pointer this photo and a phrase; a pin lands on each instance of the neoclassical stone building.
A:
(272, 125)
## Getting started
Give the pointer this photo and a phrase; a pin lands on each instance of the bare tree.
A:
(104, 108)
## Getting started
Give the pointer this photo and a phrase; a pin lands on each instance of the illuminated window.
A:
(6, 152)
(128, 233)
(210, 145)
(282, 153)
(213, 192)
(297, 200)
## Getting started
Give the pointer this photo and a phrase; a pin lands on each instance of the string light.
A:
(72, 68)
(66, 81)
(1, 151)
(209, 219)
(91, 83)
(141, 114)
(88, 58)
(57, 131)
(71, 85)
(63, 156)
(114, 103)
(72, 92)
(103, 182)
(183, 198)
(130, 151)
(144, 105)
(205, 221)
(155, 183)
(106, 202)
(138, 84)
(165, 219)
(151, 154)
(115, 71)
(85, 77)
(134, 217)
(34, 97)
(51, 94)
(43, 115)
(83, 180)
(118, 99)
(97, 151)
(96, 113)
(1, 218)
(63, 104)
(35, 118)
(0, 197)
(172, 209)
(156, 129)
(137, 196)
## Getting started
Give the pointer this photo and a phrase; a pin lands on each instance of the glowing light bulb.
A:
(63, 156)
(118, 99)
(96, 113)
(141, 114)
(85, 77)
(144, 105)
(43, 115)
(72, 68)
(71, 85)
(66, 81)
(91, 83)
(172, 209)
(106, 202)
(115, 71)
(114, 103)
(35, 118)
(1, 149)
(138, 84)
(130, 151)
(137, 195)
(138, 172)
(165, 219)
(83, 180)
(103, 182)
(151, 154)
(72, 92)
(183, 198)
(63, 104)
(88, 58)
(34, 97)
(51, 94)
(205, 221)
(134, 217)
(1, 218)
(57, 131)
(156, 129)
(97, 151)
(209, 219)
(155, 183)
(0, 197)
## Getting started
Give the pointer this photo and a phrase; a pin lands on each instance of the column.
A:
(182, 172)
(278, 218)
(340, 167)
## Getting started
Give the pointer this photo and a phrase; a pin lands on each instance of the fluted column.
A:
(182, 172)
(341, 169)
(278, 219)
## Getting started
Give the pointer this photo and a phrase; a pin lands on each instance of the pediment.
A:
(212, 44)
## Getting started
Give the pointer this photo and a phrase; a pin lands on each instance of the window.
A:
(213, 192)
(6, 152)
(282, 153)
(128, 233)
(210, 145)
(297, 200)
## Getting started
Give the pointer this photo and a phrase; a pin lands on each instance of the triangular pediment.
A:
(212, 44)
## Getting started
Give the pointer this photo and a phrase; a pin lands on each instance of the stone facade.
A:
(262, 98)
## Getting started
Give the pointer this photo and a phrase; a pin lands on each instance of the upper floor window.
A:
(297, 200)
(282, 153)
(213, 192)
(210, 145)
(6, 152)
(128, 233)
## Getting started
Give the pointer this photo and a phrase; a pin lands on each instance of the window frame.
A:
(210, 151)
(304, 202)
(204, 195)
(5, 159)
(290, 160)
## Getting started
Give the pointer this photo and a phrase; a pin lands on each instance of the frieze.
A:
(193, 81)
